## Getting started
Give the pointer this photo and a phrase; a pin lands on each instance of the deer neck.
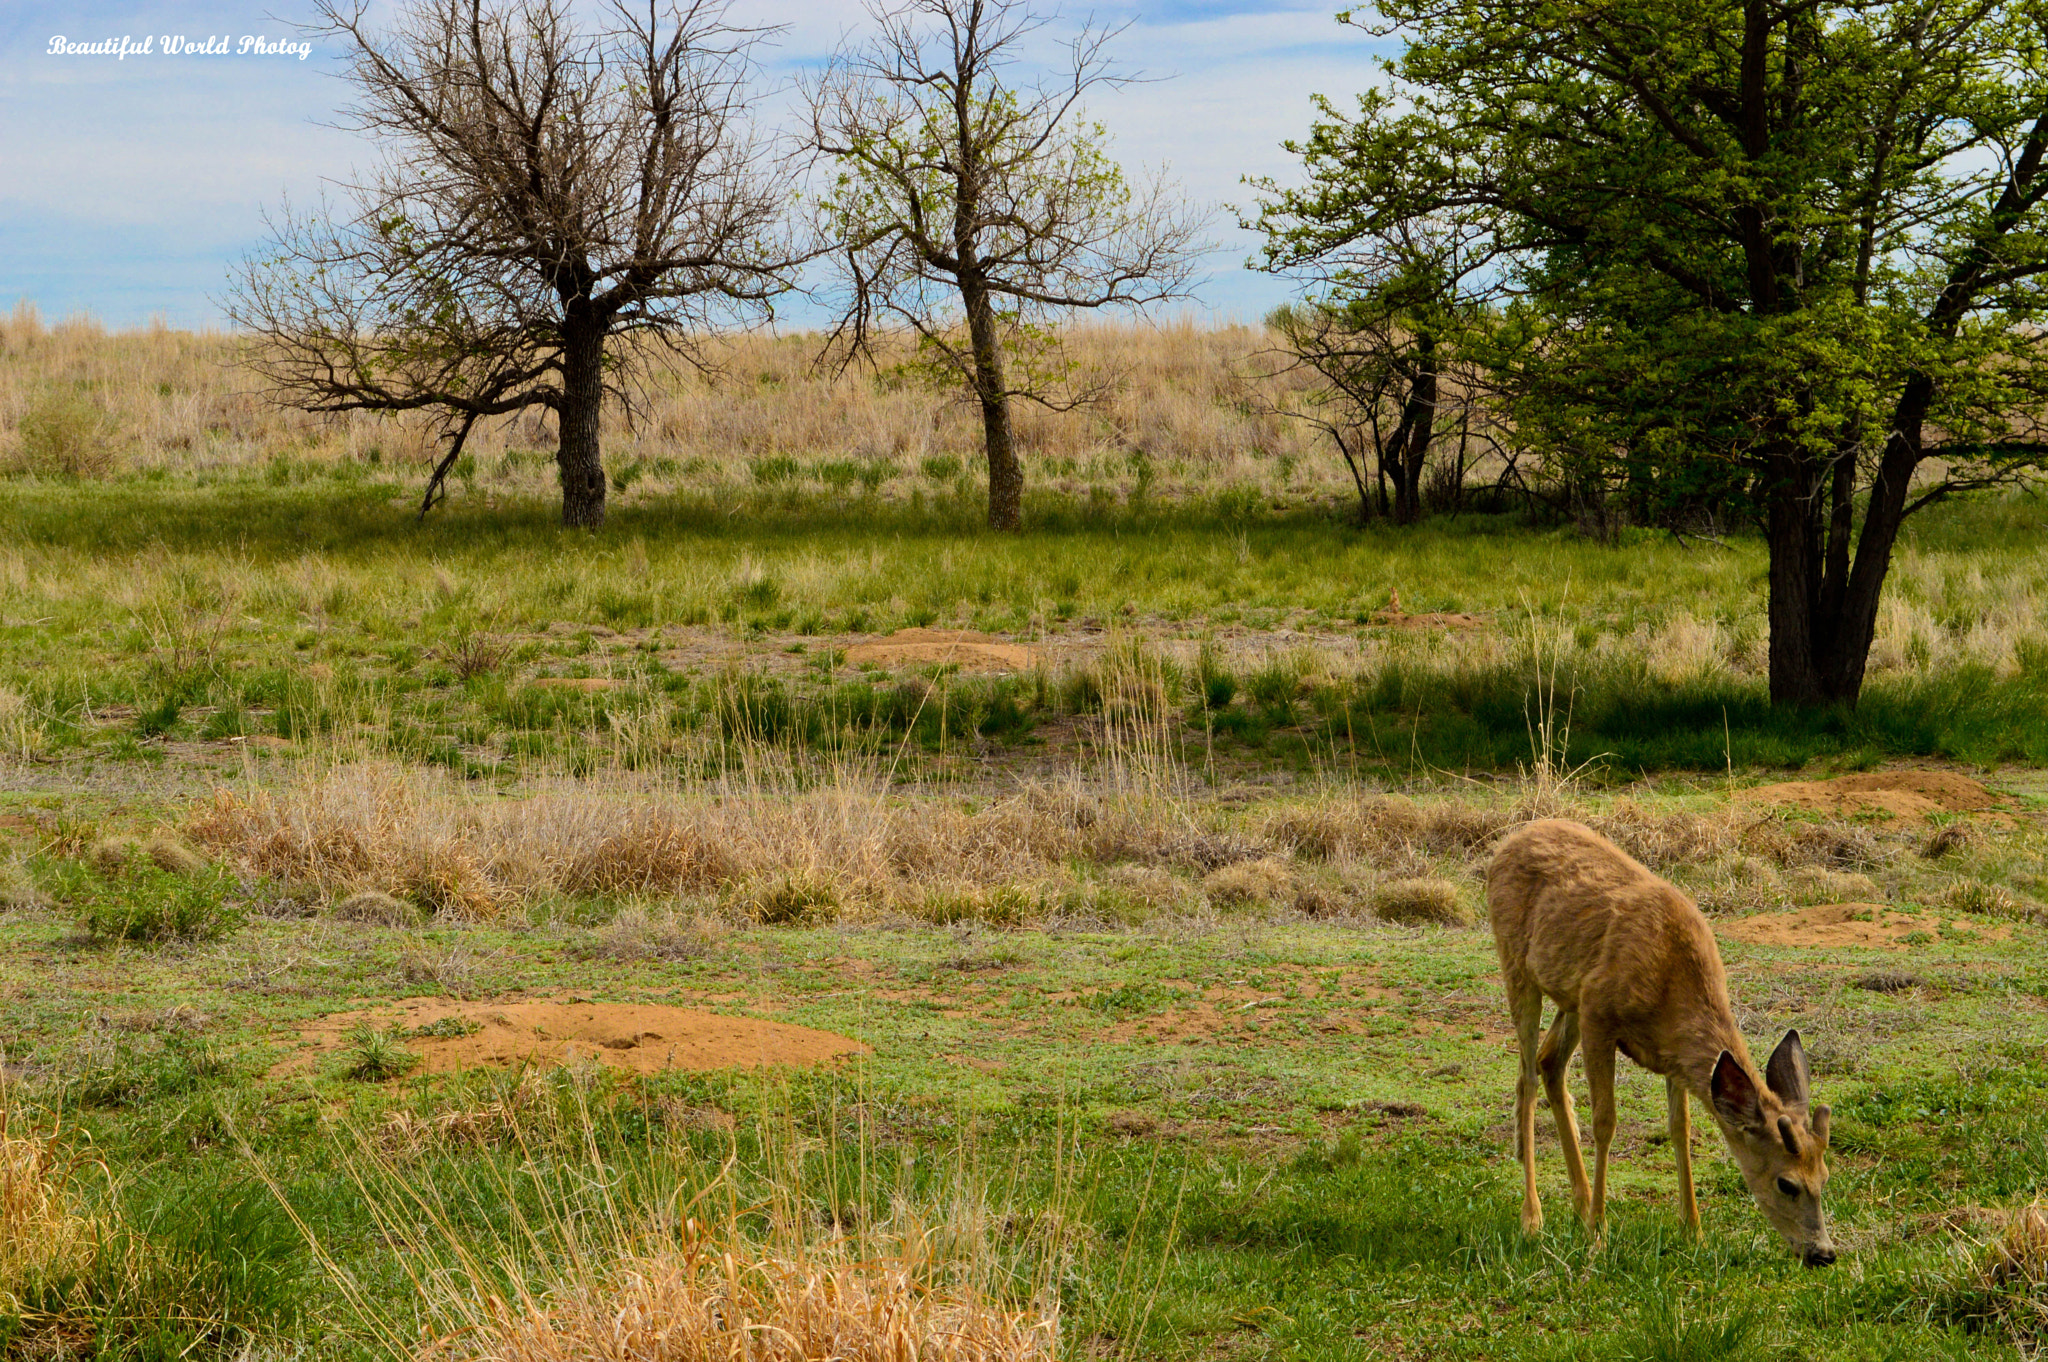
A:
(1703, 1029)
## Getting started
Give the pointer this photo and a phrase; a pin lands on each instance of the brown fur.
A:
(1632, 966)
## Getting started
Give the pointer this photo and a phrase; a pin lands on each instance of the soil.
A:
(1909, 794)
(970, 651)
(1857, 925)
(643, 1037)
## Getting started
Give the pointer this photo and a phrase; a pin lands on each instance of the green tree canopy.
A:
(1789, 255)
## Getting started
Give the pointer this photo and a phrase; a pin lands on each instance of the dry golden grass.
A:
(2007, 1278)
(47, 1239)
(663, 1256)
(702, 1301)
(376, 907)
(1183, 405)
(844, 844)
(778, 854)
(1421, 902)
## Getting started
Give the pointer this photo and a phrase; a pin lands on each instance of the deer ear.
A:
(1734, 1093)
(1787, 1073)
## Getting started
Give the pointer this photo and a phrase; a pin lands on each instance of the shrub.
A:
(140, 901)
(65, 434)
(1417, 902)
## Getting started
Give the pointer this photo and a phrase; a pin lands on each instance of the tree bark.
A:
(1796, 660)
(1005, 475)
(578, 456)
(1410, 445)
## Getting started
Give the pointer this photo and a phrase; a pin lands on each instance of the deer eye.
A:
(1788, 1187)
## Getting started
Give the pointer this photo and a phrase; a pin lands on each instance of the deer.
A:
(1632, 966)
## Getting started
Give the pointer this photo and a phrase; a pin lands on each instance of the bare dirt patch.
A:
(1901, 794)
(644, 1037)
(970, 651)
(1858, 925)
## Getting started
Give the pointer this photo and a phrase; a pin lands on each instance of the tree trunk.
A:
(1796, 663)
(1418, 422)
(578, 456)
(1823, 604)
(1005, 476)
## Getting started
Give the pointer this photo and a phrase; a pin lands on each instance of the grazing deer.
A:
(1632, 966)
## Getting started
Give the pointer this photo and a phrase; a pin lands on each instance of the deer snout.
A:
(1819, 1255)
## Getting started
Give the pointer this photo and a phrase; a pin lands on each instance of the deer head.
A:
(1780, 1142)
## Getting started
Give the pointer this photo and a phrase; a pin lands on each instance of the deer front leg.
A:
(1600, 1087)
(1554, 1059)
(1681, 1144)
(1528, 1011)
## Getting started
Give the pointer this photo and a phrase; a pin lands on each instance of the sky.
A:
(130, 185)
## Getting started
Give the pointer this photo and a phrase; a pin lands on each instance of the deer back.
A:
(1604, 937)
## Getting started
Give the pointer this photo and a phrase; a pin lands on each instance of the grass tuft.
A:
(1421, 902)
(374, 906)
(375, 1054)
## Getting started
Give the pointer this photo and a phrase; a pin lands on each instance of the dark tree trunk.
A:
(578, 456)
(1409, 449)
(1798, 660)
(1005, 475)
(1823, 602)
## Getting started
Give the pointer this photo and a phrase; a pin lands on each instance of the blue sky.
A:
(131, 185)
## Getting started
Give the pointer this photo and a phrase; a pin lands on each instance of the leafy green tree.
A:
(1784, 252)
(963, 196)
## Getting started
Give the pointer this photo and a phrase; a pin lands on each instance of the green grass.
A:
(1268, 1137)
(235, 608)
(1269, 1209)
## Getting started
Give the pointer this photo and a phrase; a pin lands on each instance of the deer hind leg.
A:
(1551, 1062)
(1681, 1145)
(1526, 1003)
(1600, 1087)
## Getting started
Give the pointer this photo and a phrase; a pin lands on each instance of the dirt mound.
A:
(1858, 925)
(1902, 794)
(970, 651)
(451, 1034)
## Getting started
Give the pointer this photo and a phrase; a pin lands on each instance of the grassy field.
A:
(1164, 941)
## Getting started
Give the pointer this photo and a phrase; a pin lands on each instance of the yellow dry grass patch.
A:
(704, 1301)
(46, 1239)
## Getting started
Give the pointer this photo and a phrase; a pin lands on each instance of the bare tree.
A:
(547, 188)
(1387, 341)
(964, 197)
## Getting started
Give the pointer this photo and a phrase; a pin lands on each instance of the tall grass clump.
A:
(92, 1268)
(568, 1244)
